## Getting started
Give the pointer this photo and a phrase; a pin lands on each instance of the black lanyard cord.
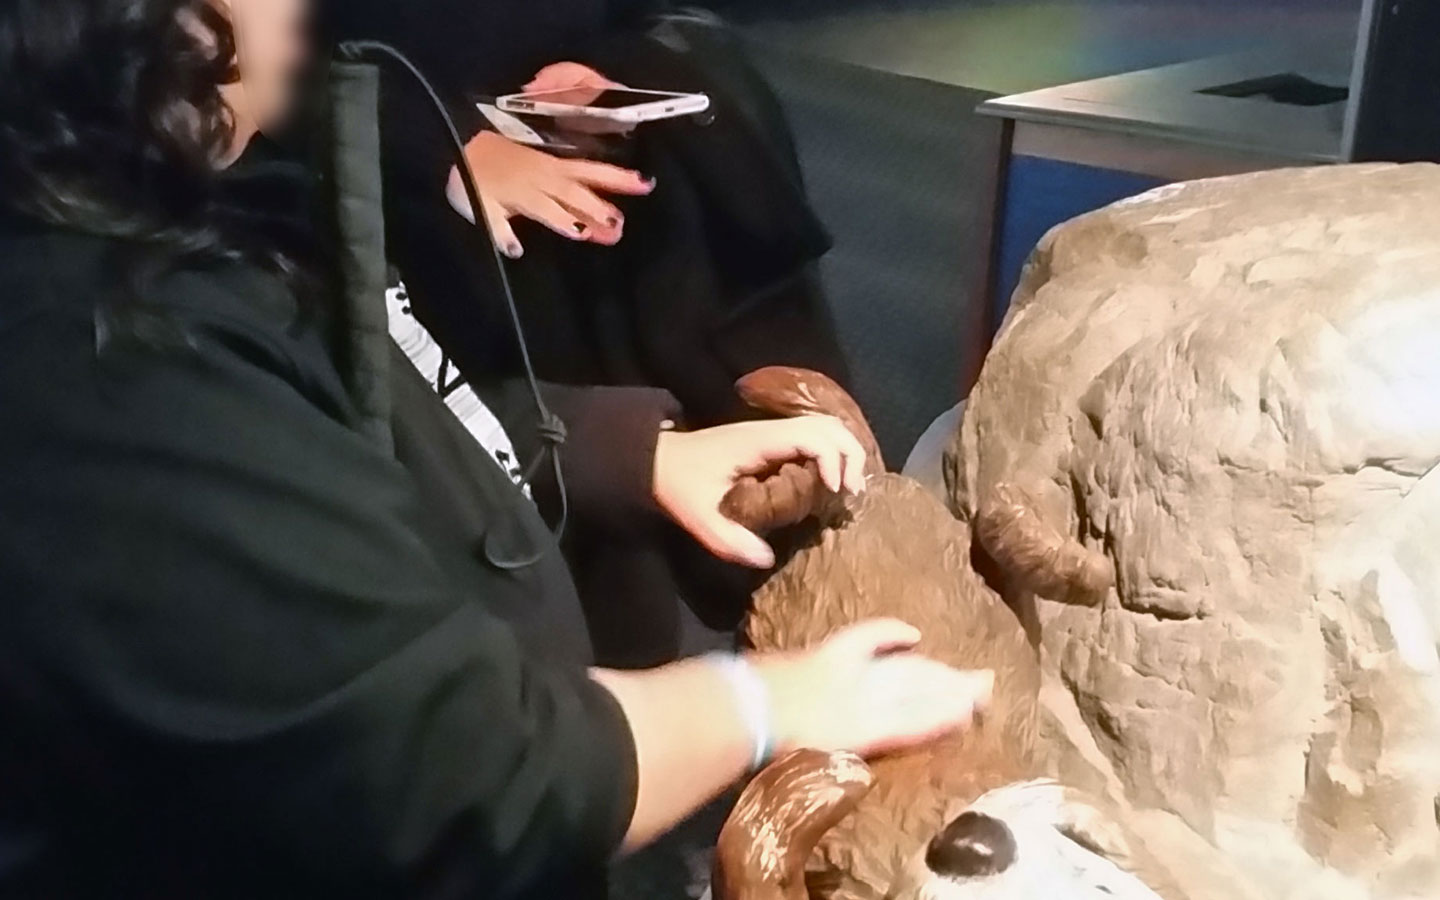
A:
(550, 428)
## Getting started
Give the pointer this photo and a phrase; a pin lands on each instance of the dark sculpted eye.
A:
(973, 846)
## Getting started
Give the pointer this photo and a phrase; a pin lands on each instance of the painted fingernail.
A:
(613, 221)
(580, 228)
(514, 250)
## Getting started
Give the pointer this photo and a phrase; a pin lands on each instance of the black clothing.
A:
(713, 280)
(484, 45)
(715, 276)
(635, 619)
(246, 652)
(721, 280)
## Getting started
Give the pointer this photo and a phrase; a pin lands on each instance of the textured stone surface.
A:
(1232, 389)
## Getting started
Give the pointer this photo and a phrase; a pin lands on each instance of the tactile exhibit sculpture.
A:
(1200, 465)
(967, 818)
(1230, 390)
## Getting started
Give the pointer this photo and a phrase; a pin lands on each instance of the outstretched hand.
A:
(694, 472)
(865, 690)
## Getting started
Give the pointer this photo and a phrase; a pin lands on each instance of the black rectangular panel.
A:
(1398, 113)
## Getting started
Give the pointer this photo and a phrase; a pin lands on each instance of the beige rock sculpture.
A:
(1229, 390)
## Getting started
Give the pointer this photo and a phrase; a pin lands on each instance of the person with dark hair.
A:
(256, 646)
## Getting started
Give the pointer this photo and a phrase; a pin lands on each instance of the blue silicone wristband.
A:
(752, 699)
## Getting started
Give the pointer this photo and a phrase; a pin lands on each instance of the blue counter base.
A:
(1042, 193)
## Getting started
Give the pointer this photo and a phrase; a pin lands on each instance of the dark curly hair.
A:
(112, 121)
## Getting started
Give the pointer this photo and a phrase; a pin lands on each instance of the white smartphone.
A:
(618, 104)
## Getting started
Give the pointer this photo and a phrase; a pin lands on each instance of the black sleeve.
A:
(632, 13)
(608, 458)
(417, 151)
(233, 578)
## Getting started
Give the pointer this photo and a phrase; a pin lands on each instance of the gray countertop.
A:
(1167, 103)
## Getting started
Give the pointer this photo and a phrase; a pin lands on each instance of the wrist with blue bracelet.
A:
(752, 700)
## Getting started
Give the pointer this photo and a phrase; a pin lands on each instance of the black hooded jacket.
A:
(248, 651)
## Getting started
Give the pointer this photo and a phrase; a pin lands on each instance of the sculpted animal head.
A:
(1033, 840)
(1036, 840)
(949, 821)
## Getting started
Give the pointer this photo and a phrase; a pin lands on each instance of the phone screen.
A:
(600, 98)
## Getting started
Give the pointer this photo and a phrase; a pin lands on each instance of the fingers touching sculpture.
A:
(794, 492)
(1009, 526)
(787, 392)
(908, 825)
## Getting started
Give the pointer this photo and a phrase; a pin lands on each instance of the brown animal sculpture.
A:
(966, 817)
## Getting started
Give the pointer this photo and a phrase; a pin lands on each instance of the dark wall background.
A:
(1014, 45)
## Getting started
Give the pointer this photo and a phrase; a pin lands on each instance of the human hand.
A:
(694, 471)
(571, 76)
(564, 75)
(561, 194)
(864, 690)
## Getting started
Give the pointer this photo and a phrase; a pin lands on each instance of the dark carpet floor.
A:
(902, 172)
